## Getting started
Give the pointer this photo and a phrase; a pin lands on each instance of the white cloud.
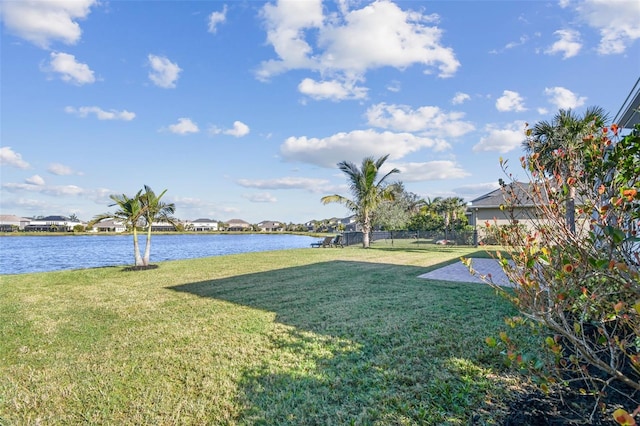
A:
(430, 170)
(60, 169)
(427, 119)
(264, 197)
(239, 130)
(217, 18)
(286, 23)
(616, 20)
(184, 126)
(164, 73)
(35, 180)
(569, 44)
(502, 139)
(9, 157)
(394, 86)
(460, 98)
(512, 44)
(100, 113)
(522, 40)
(333, 90)
(41, 22)
(61, 190)
(344, 46)
(564, 98)
(308, 184)
(510, 101)
(355, 145)
(69, 69)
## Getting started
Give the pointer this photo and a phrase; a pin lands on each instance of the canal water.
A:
(25, 254)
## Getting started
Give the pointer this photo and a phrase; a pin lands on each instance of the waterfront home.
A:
(9, 223)
(202, 225)
(237, 225)
(271, 226)
(109, 226)
(52, 224)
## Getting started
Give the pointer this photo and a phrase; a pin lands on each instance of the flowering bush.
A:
(581, 287)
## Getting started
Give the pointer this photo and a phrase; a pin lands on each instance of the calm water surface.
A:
(19, 255)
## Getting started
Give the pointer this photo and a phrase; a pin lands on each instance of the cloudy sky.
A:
(241, 109)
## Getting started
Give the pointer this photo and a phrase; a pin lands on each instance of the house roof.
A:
(109, 223)
(57, 218)
(496, 198)
(629, 116)
(204, 221)
(12, 218)
(269, 223)
(237, 222)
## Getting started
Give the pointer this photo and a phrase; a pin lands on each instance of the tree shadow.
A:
(362, 343)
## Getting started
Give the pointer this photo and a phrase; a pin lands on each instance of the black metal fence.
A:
(451, 238)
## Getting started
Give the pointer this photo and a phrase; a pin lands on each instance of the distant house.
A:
(52, 224)
(489, 207)
(109, 226)
(334, 224)
(203, 225)
(9, 223)
(350, 224)
(237, 225)
(271, 226)
(162, 227)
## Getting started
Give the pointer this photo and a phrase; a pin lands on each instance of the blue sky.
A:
(241, 109)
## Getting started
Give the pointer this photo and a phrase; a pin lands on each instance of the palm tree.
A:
(366, 191)
(556, 141)
(130, 210)
(154, 211)
(452, 208)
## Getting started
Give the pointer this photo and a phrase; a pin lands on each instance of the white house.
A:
(52, 223)
(109, 226)
(202, 225)
(9, 222)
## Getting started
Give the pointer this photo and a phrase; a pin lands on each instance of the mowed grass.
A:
(295, 337)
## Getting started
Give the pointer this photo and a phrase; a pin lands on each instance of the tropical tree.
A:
(367, 191)
(557, 146)
(452, 209)
(155, 210)
(129, 212)
(395, 214)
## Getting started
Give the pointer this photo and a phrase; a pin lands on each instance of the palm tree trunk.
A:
(136, 247)
(147, 247)
(570, 206)
(366, 230)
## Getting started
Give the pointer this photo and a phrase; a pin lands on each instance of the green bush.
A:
(580, 288)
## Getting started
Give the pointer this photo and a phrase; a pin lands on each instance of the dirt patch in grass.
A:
(565, 407)
(140, 268)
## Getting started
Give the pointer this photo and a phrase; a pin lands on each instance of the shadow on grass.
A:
(363, 343)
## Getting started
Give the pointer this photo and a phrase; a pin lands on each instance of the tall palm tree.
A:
(366, 189)
(129, 212)
(561, 139)
(154, 211)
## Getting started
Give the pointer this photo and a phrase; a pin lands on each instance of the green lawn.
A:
(298, 337)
